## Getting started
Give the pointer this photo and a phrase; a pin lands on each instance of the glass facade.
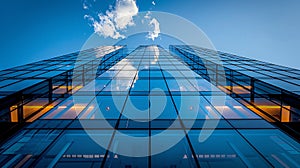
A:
(67, 104)
(271, 91)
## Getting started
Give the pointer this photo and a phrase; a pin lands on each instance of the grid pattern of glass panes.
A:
(29, 91)
(272, 91)
(144, 81)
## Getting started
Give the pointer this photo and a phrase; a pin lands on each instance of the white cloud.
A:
(124, 12)
(147, 16)
(85, 4)
(115, 19)
(156, 29)
(106, 28)
(154, 24)
(153, 3)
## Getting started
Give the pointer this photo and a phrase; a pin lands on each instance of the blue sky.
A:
(266, 30)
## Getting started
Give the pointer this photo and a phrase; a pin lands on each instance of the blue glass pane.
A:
(277, 147)
(225, 148)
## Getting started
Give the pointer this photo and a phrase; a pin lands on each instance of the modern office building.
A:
(153, 107)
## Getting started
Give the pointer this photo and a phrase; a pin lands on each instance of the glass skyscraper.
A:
(152, 107)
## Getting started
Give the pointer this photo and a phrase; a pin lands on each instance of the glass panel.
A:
(68, 149)
(68, 109)
(137, 107)
(162, 107)
(230, 108)
(140, 85)
(278, 148)
(203, 85)
(224, 148)
(158, 84)
(180, 85)
(20, 85)
(178, 155)
(122, 144)
(191, 107)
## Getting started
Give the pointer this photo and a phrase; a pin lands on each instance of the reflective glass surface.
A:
(151, 95)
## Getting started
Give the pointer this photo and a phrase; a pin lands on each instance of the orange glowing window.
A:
(224, 90)
(239, 89)
(14, 116)
(274, 111)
